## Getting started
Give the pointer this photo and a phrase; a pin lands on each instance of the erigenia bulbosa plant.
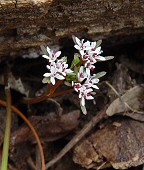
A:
(79, 75)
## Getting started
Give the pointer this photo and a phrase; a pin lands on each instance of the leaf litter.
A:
(116, 141)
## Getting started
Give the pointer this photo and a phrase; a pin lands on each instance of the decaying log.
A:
(27, 24)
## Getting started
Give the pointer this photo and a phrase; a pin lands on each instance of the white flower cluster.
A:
(85, 85)
(58, 68)
(81, 78)
(90, 52)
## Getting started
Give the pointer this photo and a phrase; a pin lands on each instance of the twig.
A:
(38, 159)
(96, 119)
(3, 103)
(31, 163)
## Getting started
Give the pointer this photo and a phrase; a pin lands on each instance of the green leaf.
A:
(75, 61)
(98, 43)
(109, 57)
(44, 50)
(70, 78)
(67, 83)
(46, 80)
(73, 37)
(83, 108)
(100, 74)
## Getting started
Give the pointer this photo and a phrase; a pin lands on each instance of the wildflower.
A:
(81, 45)
(81, 78)
(76, 86)
(54, 73)
(82, 74)
(89, 51)
(62, 67)
(96, 54)
(92, 81)
(52, 55)
(58, 69)
(85, 94)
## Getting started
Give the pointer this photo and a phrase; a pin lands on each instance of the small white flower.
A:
(85, 94)
(57, 70)
(96, 54)
(89, 65)
(81, 45)
(52, 55)
(83, 73)
(92, 81)
(54, 73)
(76, 86)
(89, 51)
(62, 66)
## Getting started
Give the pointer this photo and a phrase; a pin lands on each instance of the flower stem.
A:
(6, 143)
(48, 93)
(43, 97)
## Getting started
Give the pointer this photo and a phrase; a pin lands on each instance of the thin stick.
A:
(96, 119)
(3, 103)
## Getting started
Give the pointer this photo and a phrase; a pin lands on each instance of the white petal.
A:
(81, 69)
(89, 97)
(53, 70)
(87, 43)
(72, 83)
(52, 79)
(48, 50)
(87, 48)
(77, 47)
(60, 77)
(47, 74)
(95, 87)
(68, 71)
(57, 54)
(63, 73)
(93, 44)
(95, 80)
(78, 41)
(100, 58)
(88, 72)
(82, 101)
(48, 67)
(45, 56)
(80, 95)
(89, 90)
(98, 50)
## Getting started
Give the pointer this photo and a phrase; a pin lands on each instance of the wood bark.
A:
(27, 24)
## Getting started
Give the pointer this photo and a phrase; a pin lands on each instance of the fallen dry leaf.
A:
(118, 146)
(49, 128)
(17, 85)
(132, 100)
(121, 81)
